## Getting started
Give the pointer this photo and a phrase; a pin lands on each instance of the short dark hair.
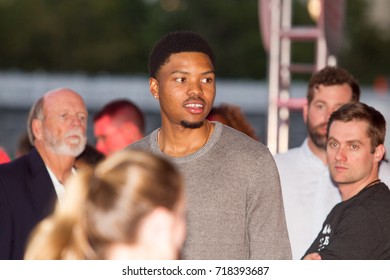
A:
(177, 42)
(359, 111)
(125, 110)
(330, 76)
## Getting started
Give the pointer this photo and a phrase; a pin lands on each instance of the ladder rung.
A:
(292, 103)
(302, 68)
(301, 33)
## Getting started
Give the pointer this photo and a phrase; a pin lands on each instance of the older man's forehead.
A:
(63, 101)
(62, 95)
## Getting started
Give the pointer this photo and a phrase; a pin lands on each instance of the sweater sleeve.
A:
(266, 223)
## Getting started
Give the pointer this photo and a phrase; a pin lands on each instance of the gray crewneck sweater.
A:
(234, 202)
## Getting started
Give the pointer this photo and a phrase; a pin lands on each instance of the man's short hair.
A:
(122, 110)
(177, 42)
(330, 76)
(359, 111)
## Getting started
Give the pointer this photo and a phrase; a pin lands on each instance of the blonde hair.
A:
(106, 205)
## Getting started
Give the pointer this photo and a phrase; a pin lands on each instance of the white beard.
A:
(59, 146)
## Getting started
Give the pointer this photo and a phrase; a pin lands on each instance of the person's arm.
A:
(355, 237)
(267, 230)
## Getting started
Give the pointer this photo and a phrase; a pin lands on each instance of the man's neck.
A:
(319, 152)
(60, 165)
(348, 191)
(179, 141)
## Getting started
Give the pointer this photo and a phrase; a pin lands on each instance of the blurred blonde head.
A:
(130, 206)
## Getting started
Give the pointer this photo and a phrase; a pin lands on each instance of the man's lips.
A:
(74, 139)
(340, 168)
(194, 107)
(322, 128)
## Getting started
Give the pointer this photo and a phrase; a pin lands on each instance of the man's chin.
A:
(70, 150)
(319, 141)
(191, 125)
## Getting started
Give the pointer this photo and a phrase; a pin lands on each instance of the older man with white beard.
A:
(30, 185)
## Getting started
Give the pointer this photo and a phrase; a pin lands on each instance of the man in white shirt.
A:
(308, 192)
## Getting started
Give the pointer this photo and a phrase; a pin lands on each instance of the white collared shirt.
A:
(58, 186)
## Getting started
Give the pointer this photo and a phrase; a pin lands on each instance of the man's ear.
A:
(379, 153)
(153, 87)
(130, 130)
(36, 126)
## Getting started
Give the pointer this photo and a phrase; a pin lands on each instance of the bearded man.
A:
(32, 184)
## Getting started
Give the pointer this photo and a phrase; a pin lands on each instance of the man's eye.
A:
(180, 80)
(206, 80)
(354, 147)
(332, 144)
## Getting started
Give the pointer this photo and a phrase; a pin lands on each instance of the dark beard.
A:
(318, 140)
(191, 125)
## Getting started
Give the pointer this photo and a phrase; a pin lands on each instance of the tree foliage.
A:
(116, 36)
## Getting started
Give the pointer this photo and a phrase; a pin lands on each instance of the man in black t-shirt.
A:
(359, 226)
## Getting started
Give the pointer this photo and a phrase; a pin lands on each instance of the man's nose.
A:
(340, 154)
(195, 88)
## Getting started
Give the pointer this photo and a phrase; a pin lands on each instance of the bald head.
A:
(62, 94)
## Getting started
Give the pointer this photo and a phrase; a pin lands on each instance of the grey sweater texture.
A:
(233, 196)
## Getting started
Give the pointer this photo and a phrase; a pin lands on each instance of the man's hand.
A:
(313, 256)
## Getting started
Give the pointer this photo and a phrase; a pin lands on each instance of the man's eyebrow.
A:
(208, 72)
(319, 101)
(331, 139)
(185, 72)
(179, 72)
(358, 141)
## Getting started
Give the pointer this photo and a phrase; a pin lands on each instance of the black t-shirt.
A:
(358, 228)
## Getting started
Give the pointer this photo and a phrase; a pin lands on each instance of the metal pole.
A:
(285, 77)
(272, 129)
(322, 51)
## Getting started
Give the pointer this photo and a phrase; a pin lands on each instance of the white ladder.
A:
(276, 19)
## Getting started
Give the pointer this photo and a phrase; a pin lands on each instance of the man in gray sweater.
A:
(234, 203)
